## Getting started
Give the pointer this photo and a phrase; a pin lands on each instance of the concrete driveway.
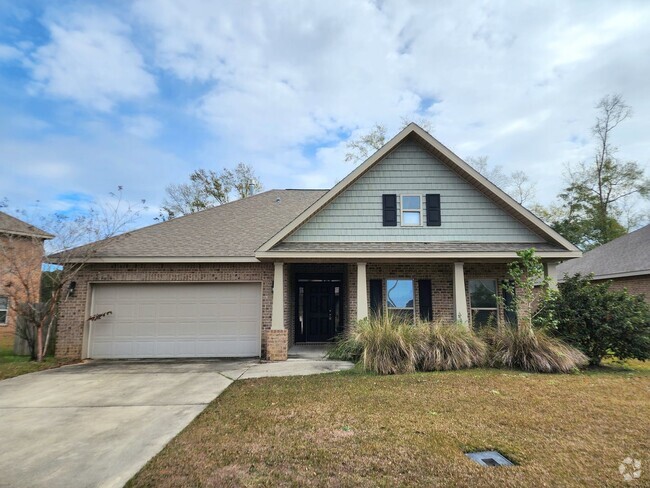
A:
(97, 424)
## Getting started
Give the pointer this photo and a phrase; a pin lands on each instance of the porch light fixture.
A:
(71, 289)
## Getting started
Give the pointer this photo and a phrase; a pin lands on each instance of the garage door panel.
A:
(176, 320)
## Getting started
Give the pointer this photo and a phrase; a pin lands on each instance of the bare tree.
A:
(517, 184)
(207, 189)
(77, 240)
(360, 148)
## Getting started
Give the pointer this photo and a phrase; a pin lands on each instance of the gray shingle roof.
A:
(450, 246)
(629, 254)
(12, 225)
(235, 229)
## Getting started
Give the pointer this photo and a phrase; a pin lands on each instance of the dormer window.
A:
(411, 210)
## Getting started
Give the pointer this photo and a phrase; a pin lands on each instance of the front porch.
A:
(313, 303)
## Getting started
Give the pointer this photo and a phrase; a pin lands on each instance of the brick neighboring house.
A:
(625, 261)
(413, 230)
(21, 257)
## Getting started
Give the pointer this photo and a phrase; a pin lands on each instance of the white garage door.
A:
(176, 320)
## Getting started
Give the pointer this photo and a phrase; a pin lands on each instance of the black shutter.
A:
(424, 289)
(508, 304)
(376, 302)
(389, 204)
(433, 210)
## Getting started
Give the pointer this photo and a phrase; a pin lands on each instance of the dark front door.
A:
(322, 311)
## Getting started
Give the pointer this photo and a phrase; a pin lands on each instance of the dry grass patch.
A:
(352, 429)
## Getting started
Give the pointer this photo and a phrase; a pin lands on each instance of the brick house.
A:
(624, 261)
(21, 257)
(413, 230)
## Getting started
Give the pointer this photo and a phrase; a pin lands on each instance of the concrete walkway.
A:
(96, 424)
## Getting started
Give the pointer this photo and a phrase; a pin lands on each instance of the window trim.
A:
(494, 309)
(389, 308)
(6, 311)
(402, 211)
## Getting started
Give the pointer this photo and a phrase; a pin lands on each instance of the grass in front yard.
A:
(12, 365)
(353, 429)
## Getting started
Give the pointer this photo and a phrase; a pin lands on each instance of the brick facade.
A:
(74, 310)
(635, 285)
(20, 274)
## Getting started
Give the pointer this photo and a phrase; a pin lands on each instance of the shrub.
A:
(449, 346)
(599, 321)
(532, 350)
(390, 344)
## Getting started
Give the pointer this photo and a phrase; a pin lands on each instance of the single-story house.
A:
(21, 257)
(413, 230)
(625, 261)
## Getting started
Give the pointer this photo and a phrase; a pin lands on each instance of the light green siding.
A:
(467, 214)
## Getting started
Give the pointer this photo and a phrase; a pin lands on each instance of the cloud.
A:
(90, 60)
(9, 53)
(142, 126)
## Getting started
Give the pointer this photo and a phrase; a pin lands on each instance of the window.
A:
(483, 301)
(399, 294)
(411, 210)
(4, 306)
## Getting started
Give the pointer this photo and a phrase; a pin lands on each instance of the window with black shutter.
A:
(433, 210)
(389, 204)
(424, 295)
(376, 293)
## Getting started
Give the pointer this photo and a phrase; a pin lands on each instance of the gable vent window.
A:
(411, 210)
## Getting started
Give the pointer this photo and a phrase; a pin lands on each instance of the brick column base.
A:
(277, 344)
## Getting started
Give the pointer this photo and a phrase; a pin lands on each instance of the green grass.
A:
(12, 365)
(359, 429)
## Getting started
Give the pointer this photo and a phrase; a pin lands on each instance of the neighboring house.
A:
(21, 257)
(625, 261)
(414, 230)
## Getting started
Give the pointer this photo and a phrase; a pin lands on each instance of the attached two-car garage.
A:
(171, 320)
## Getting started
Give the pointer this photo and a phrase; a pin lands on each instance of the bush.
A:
(598, 321)
(389, 344)
(449, 346)
(531, 349)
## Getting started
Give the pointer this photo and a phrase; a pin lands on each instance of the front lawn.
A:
(354, 429)
(12, 365)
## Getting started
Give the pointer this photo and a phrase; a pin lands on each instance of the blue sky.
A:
(99, 94)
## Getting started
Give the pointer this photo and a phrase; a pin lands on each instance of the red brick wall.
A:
(73, 313)
(635, 285)
(20, 274)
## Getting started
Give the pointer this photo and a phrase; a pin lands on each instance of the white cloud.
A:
(142, 126)
(9, 53)
(91, 60)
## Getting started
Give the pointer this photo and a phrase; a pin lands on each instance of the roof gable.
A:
(12, 225)
(503, 208)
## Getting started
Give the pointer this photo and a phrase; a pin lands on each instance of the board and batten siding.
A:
(467, 214)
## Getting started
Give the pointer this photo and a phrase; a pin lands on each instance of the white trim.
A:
(402, 210)
(414, 255)
(460, 294)
(43, 237)
(167, 259)
(277, 311)
(362, 292)
(455, 161)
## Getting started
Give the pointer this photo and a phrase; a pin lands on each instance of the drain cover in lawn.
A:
(489, 458)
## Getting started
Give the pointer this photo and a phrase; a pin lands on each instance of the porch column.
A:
(277, 314)
(551, 272)
(362, 292)
(460, 295)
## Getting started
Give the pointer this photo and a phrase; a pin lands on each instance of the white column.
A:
(551, 272)
(277, 314)
(362, 292)
(460, 295)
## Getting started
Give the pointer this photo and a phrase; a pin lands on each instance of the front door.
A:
(322, 310)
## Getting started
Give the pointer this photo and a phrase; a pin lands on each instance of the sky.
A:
(138, 94)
